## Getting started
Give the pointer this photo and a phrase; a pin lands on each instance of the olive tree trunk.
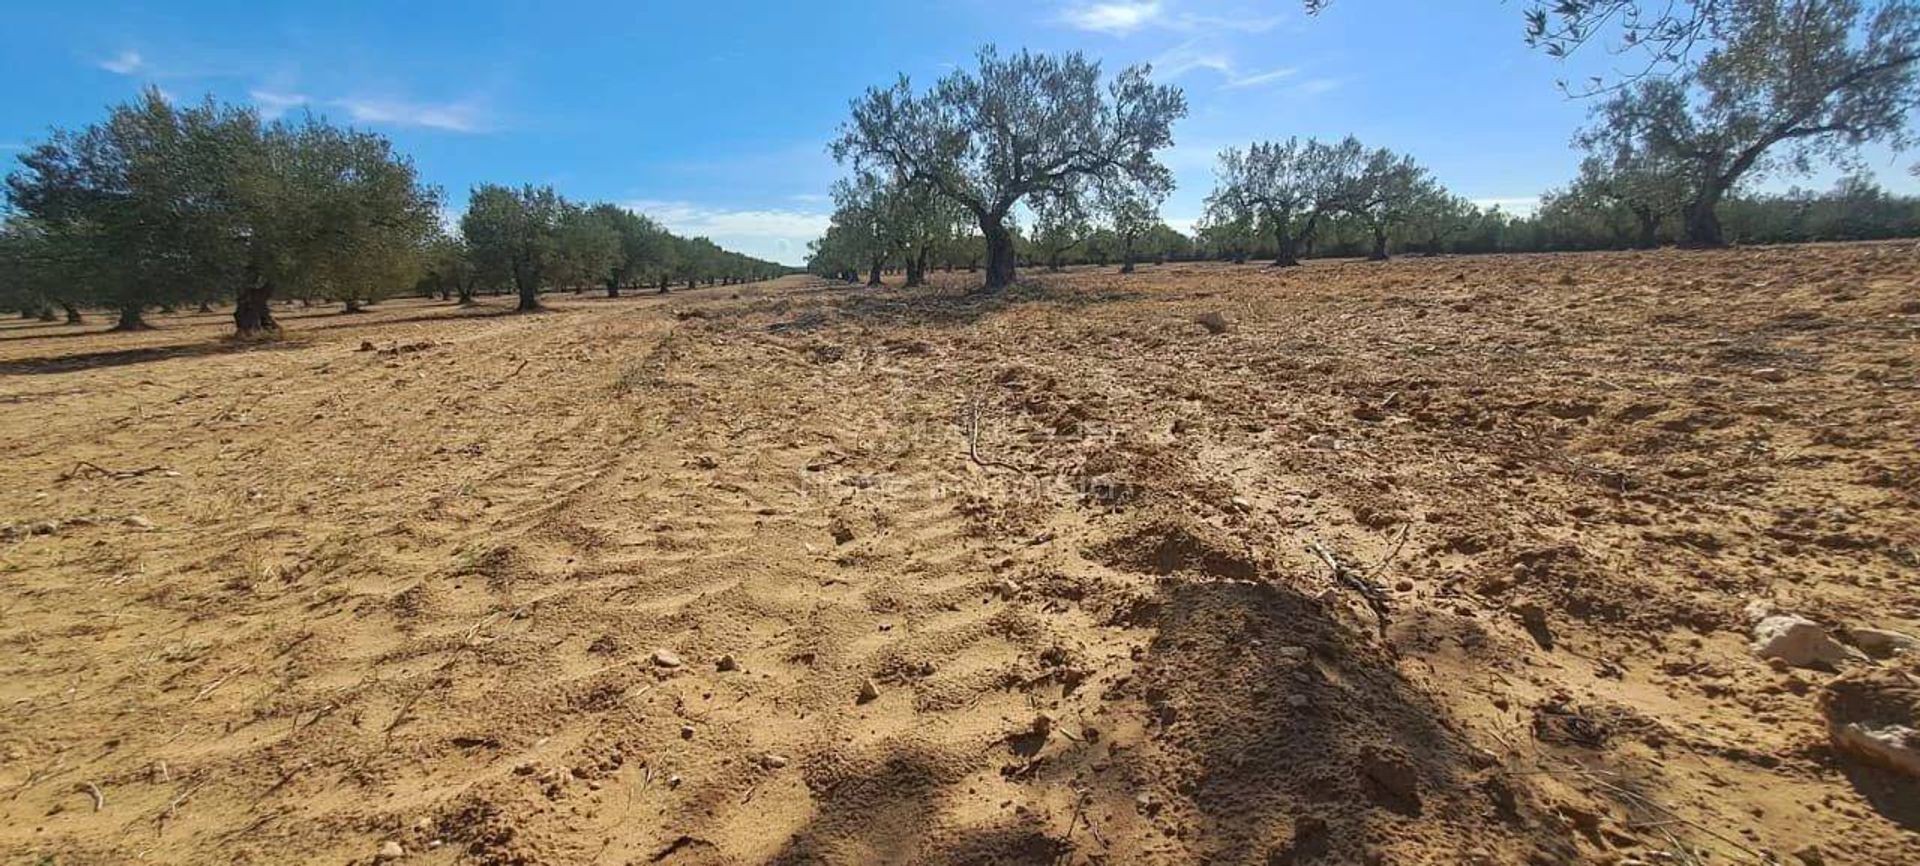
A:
(1703, 220)
(1000, 257)
(253, 313)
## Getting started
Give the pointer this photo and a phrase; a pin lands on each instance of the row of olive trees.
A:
(161, 205)
(532, 239)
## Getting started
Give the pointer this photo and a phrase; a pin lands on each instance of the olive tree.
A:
(40, 271)
(1131, 210)
(449, 268)
(322, 209)
(1386, 192)
(1281, 188)
(1059, 224)
(168, 204)
(1016, 126)
(924, 223)
(1786, 83)
(862, 206)
(137, 196)
(514, 237)
(1648, 187)
(639, 248)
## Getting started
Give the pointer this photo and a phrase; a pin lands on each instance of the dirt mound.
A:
(1166, 545)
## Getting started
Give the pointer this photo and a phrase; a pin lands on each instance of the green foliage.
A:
(160, 205)
(1014, 127)
(513, 236)
(1785, 84)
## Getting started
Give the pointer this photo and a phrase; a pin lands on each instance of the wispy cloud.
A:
(464, 116)
(775, 234)
(274, 103)
(1125, 17)
(1259, 78)
(1114, 18)
(124, 63)
(1206, 54)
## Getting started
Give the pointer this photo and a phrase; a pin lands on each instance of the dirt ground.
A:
(799, 573)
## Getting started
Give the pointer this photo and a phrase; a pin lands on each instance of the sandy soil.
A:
(803, 573)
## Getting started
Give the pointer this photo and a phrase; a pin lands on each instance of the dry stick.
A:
(115, 474)
(973, 442)
(99, 799)
(1650, 803)
(1375, 571)
(217, 683)
(1373, 595)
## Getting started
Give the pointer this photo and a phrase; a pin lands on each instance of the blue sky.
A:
(714, 116)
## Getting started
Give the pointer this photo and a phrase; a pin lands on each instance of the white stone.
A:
(1798, 641)
(1896, 747)
(1882, 642)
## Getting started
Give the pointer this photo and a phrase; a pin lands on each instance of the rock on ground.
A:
(1798, 641)
(1874, 716)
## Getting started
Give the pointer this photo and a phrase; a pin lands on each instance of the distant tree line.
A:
(163, 205)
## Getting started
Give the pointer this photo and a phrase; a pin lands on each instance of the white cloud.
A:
(1191, 55)
(124, 63)
(1125, 17)
(774, 234)
(464, 116)
(1258, 78)
(272, 103)
(1114, 18)
(1202, 53)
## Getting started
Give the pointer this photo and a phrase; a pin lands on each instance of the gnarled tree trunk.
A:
(1703, 221)
(253, 313)
(529, 288)
(1289, 256)
(1379, 253)
(1000, 256)
(130, 319)
(1649, 228)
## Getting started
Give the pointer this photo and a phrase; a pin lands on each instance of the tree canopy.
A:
(1016, 126)
(162, 204)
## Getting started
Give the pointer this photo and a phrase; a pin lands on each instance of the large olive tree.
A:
(1016, 126)
(514, 237)
(1788, 83)
(161, 204)
(1283, 189)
